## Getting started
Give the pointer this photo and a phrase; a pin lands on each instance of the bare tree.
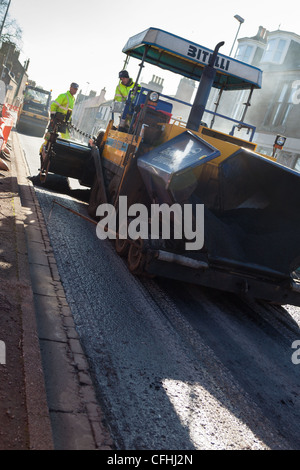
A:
(11, 31)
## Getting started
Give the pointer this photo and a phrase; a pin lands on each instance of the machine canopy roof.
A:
(186, 58)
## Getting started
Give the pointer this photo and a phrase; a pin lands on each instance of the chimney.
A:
(261, 34)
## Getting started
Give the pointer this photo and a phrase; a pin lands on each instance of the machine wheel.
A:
(94, 200)
(122, 247)
(136, 257)
(113, 188)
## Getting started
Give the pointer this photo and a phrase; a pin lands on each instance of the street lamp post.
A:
(240, 20)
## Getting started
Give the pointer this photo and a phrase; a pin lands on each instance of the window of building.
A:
(245, 53)
(289, 106)
(297, 166)
(102, 112)
(238, 106)
(281, 106)
(276, 50)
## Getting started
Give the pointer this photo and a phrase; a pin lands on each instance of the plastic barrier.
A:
(6, 124)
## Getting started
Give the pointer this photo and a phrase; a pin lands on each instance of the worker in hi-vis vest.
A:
(122, 91)
(64, 104)
(125, 85)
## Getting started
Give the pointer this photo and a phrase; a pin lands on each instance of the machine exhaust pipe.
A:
(205, 85)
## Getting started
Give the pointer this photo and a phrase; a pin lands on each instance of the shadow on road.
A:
(60, 184)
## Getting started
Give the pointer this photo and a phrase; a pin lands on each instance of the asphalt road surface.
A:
(175, 366)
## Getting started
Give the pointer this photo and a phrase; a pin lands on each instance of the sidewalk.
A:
(47, 399)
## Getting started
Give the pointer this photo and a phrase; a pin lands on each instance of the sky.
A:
(82, 41)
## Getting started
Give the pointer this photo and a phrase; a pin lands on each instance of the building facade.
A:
(13, 74)
(275, 109)
(85, 112)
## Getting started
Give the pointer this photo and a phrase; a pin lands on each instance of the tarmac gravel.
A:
(171, 373)
(173, 366)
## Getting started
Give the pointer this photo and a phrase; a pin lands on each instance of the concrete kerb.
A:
(74, 415)
(39, 427)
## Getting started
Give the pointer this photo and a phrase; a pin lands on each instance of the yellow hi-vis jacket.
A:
(122, 91)
(63, 103)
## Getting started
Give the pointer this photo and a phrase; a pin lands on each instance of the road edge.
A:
(39, 425)
(77, 422)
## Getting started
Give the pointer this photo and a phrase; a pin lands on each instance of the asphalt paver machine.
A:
(250, 218)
